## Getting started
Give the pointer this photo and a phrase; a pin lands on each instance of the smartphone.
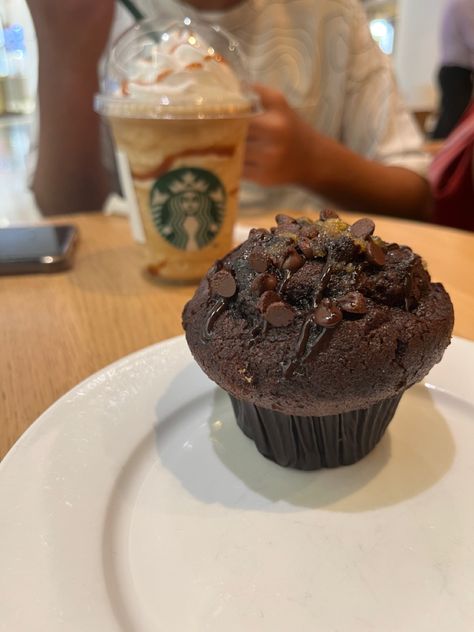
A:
(27, 249)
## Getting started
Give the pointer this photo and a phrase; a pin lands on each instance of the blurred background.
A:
(406, 30)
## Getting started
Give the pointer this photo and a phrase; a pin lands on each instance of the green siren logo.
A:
(187, 206)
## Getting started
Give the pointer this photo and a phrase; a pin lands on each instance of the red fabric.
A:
(451, 177)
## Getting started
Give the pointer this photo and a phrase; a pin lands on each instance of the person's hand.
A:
(71, 31)
(279, 143)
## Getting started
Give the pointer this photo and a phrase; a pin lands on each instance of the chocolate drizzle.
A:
(408, 285)
(304, 336)
(214, 314)
(284, 282)
(323, 281)
(302, 352)
(301, 346)
(270, 259)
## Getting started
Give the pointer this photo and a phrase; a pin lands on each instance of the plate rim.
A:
(70, 393)
(180, 341)
(49, 426)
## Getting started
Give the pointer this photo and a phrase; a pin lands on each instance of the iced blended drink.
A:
(180, 115)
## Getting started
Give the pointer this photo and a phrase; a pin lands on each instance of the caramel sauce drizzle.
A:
(216, 57)
(163, 74)
(225, 151)
(195, 65)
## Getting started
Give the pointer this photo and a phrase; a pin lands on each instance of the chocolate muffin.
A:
(315, 330)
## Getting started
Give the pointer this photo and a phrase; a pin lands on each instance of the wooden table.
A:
(55, 330)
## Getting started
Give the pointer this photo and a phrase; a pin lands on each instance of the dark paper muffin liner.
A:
(311, 443)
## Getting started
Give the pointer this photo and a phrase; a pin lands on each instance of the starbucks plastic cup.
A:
(179, 109)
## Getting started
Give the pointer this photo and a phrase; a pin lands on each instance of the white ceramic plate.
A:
(136, 504)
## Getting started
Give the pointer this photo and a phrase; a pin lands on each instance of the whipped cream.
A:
(181, 66)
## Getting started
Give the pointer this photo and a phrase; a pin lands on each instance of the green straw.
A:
(133, 9)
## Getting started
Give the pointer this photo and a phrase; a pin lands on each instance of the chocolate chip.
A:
(375, 254)
(223, 283)
(327, 314)
(293, 261)
(306, 248)
(258, 233)
(328, 213)
(353, 303)
(258, 261)
(278, 253)
(310, 231)
(267, 299)
(264, 282)
(279, 314)
(363, 228)
(304, 221)
(284, 219)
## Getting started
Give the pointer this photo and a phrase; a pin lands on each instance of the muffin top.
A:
(318, 317)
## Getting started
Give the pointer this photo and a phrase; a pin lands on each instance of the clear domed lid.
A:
(183, 69)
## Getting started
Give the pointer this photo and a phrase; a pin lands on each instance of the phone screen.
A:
(29, 249)
(33, 243)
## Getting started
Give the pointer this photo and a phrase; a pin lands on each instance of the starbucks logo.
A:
(187, 206)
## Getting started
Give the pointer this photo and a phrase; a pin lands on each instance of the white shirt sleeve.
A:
(376, 122)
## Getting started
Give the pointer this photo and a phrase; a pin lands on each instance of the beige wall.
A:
(417, 51)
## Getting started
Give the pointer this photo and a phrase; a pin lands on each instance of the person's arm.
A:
(283, 149)
(71, 34)
(374, 166)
